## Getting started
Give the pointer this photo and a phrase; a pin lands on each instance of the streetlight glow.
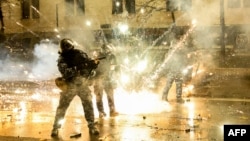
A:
(88, 23)
(117, 4)
(123, 28)
(142, 10)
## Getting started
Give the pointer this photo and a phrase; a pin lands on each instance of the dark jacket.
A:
(74, 63)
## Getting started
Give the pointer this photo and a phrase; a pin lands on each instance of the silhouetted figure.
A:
(1, 19)
(75, 67)
(104, 81)
(175, 63)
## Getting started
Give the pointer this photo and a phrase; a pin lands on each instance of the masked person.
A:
(104, 81)
(75, 67)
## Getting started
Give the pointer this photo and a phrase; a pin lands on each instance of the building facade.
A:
(88, 19)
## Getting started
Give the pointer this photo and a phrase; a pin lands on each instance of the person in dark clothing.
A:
(104, 81)
(176, 63)
(75, 67)
(1, 18)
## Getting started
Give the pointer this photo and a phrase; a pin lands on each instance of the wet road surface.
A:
(143, 116)
(197, 119)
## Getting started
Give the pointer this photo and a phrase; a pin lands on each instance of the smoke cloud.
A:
(45, 66)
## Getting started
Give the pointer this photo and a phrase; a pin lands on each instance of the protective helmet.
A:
(66, 45)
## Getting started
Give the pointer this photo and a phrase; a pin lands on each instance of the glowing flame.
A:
(126, 60)
(188, 89)
(19, 91)
(36, 96)
(139, 102)
(123, 28)
(191, 108)
(141, 66)
(56, 90)
(124, 78)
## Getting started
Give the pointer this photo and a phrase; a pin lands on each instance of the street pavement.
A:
(217, 101)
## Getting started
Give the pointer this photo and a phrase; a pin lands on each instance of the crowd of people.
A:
(79, 71)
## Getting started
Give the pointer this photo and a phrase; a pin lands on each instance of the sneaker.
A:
(54, 133)
(180, 100)
(114, 113)
(93, 130)
(102, 114)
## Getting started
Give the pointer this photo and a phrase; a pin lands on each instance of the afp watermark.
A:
(236, 132)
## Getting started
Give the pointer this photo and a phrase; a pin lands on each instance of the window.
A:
(1, 18)
(74, 7)
(30, 9)
(35, 9)
(117, 6)
(234, 3)
(80, 7)
(171, 5)
(174, 5)
(246, 3)
(130, 6)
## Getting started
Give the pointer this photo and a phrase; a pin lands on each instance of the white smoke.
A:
(45, 66)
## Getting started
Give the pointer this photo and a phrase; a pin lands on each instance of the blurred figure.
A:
(1, 18)
(75, 67)
(4, 51)
(104, 80)
(176, 62)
